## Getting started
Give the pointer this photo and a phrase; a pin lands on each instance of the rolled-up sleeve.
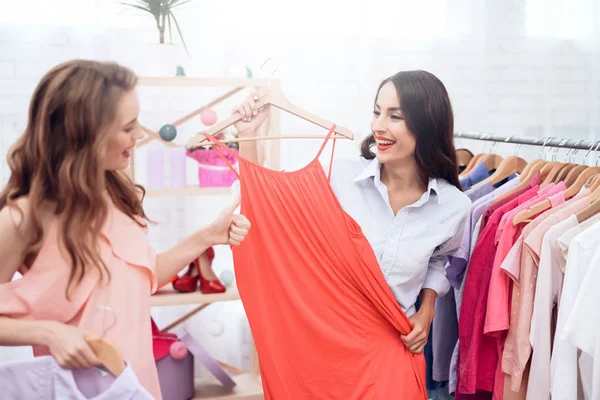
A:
(436, 271)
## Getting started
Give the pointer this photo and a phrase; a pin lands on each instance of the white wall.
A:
(512, 67)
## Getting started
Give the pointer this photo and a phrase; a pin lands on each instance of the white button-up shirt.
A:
(412, 246)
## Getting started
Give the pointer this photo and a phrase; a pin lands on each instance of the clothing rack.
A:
(547, 141)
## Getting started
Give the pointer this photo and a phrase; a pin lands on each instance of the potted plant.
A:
(162, 59)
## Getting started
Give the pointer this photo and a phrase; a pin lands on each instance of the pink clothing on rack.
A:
(517, 349)
(43, 379)
(126, 252)
(553, 192)
(497, 312)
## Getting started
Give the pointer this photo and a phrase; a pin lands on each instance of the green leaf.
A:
(180, 34)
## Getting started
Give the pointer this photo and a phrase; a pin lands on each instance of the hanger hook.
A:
(545, 138)
(562, 144)
(114, 321)
(274, 70)
(518, 149)
(589, 151)
(557, 148)
(270, 76)
(494, 144)
(508, 139)
(596, 150)
(572, 152)
(536, 140)
(546, 141)
(264, 62)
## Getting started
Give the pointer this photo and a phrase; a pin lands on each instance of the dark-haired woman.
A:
(406, 196)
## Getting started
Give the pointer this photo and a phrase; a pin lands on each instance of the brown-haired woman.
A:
(73, 223)
(406, 196)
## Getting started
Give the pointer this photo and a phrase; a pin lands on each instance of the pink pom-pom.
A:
(178, 350)
(208, 117)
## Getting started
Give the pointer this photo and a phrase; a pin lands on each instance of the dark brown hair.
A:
(428, 115)
(57, 159)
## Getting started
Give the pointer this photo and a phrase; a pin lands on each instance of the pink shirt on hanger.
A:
(497, 312)
(498, 307)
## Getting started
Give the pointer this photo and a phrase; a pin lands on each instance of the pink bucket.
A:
(212, 170)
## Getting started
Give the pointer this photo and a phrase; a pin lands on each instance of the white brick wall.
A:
(500, 80)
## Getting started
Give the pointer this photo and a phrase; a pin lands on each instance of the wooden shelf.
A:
(247, 388)
(170, 297)
(189, 191)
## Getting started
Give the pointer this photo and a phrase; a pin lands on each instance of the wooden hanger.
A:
(507, 167)
(594, 203)
(571, 191)
(550, 169)
(276, 98)
(471, 165)
(108, 354)
(492, 161)
(536, 167)
(589, 211)
(555, 173)
(463, 156)
(105, 349)
(593, 181)
(583, 178)
(573, 177)
(562, 176)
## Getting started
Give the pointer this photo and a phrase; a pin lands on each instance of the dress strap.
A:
(331, 131)
(215, 145)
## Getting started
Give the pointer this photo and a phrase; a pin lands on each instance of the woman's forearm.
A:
(428, 297)
(17, 332)
(249, 149)
(177, 257)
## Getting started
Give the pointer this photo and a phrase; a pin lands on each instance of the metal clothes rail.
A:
(532, 141)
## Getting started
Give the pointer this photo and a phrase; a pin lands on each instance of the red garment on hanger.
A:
(324, 321)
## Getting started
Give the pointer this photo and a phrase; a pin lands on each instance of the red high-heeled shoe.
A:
(209, 285)
(186, 283)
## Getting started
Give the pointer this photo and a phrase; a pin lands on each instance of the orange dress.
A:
(126, 251)
(325, 323)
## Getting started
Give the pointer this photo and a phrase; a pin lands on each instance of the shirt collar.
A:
(373, 170)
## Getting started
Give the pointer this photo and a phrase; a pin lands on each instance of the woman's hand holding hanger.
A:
(68, 345)
(252, 116)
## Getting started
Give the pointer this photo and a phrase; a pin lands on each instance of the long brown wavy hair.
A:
(57, 160)
(428, 114)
